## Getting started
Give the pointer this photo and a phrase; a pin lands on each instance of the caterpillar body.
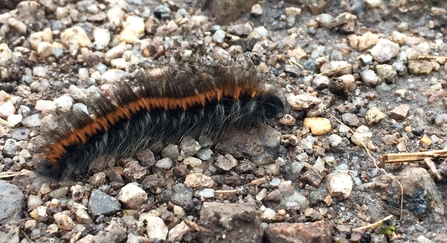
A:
(162, 109)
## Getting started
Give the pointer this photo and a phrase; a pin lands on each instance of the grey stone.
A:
(11, 201)
(102, 204)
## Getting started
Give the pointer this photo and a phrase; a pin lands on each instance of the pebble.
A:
(302, 101)
(82, 216)
(420, 67)
(226, 163)
(334, 140)
(206, 193)
(192, 161)
(199, 181)
(34, 201)
(32, 121)
(339, 184)
(170, 151)
(374, 3)
(156, 228)
(350, 119)
(74, 38)
(256, 10)
(177, 233)
(5, 54)
(63, 221)
(240, 30)
(268, 213)
(290, 232)
(63, 103)
(7, 109)
(59, 192)
(39, 213)
(320, 82)
(317, 125)
(189, 146)
(165, 163)
(362, 136)
(369, 77)
(219, 36)
(11, 201)
(400, 112)
(205, 153)
(102, 37)
(132, 196)
(384, 50)
(441, 119)
(102, 204)
(363, 42)
(295, 201)
(97, 179)
(325, 20)
(386, 73)
(258, 33)
(133, 29)
(374, 115)
(115, 52)
(229, 216)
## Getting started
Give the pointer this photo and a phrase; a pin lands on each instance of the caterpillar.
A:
(161, 109)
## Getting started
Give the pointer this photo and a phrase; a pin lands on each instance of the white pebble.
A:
(165, 163)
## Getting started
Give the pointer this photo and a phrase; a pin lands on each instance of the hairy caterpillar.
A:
(163, 109)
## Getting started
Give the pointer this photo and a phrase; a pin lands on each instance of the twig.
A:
(375, 224)
(416, 156)
(377, 166)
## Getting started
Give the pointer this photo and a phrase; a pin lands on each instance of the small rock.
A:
(82, 216)
(303, 101)
(205, 154)
(219, 36)
(5, 54)
(189, 146)
(339, 184)
(369, 77)
(177, 232)
(133, 29)
(317, 125)
(206, 193)
(7, 109)
(11, 201)
(74, 38)
(59, 193)
(350, 119)
(102, 204)
(374, 115)
(165, 163)
(362, 136)
(400, 112)
(192, 161)
(258, 32)
(132, 196)
(319, 231)
(226, 163)
(268, 213)
(420, 66)
(320, 82)
(384, 50)
(363, 42)
(199, 181)
(170, 151)
(98, 179)
(156, 228)
(256, 10)
(386, 73)
(63, 221)
(229, 220)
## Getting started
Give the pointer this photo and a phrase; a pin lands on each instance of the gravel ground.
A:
(360, 79)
